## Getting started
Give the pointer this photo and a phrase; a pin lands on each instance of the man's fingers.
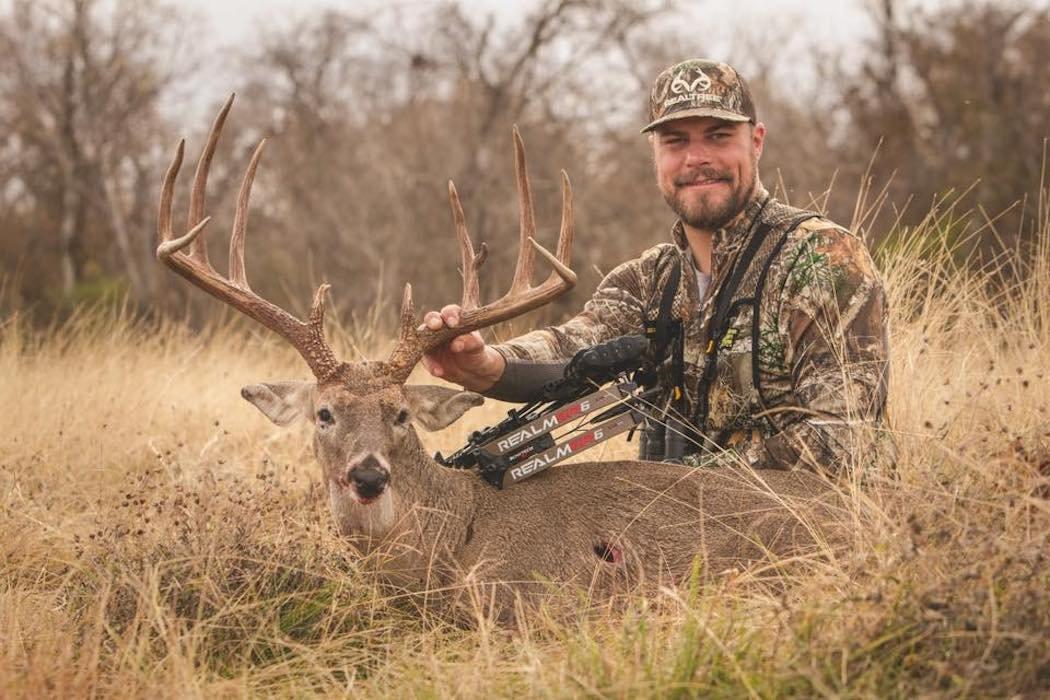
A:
(433, 321)
(450, 315)
(436, 320)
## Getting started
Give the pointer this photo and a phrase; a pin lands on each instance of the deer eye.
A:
(402, 417)
(325, 416)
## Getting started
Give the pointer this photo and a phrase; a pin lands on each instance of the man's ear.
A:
(283, 402)
(758, 139)
(435, 407)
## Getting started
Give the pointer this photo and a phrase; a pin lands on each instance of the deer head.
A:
(363, 412)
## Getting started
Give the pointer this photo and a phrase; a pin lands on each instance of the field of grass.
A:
(162, 539)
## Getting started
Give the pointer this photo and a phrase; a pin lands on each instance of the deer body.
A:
(603, 526)
(649, 518)
(607, 527)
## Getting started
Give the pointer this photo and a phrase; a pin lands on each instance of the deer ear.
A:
(282, 402)
(434, 407)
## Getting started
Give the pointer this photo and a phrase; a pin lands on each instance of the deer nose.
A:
(368, 477)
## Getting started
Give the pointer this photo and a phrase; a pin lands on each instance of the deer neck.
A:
(445, 499)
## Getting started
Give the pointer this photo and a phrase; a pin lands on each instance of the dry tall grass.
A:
(162, 539)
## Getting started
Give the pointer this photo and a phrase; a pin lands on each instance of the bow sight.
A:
(524, 443)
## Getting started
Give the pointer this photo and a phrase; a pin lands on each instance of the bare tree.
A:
(78, 105)
(954, 97)
(370, 117)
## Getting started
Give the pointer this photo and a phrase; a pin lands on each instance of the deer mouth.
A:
(362, 496)
(363, 500)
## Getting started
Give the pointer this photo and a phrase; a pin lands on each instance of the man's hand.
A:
(464, 360)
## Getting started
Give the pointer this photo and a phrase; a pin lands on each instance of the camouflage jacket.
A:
(822, 345)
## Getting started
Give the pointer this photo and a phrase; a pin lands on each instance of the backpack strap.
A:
(724, 308)
(664, 332)
(660, 330)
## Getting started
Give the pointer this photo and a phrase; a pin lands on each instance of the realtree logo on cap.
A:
(680, 85)
(700, 88)
(690, 85)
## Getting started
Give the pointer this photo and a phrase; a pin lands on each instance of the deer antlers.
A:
(187, 255)
(522, 296)
(308, 338)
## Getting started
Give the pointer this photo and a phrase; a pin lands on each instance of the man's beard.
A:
(711, 217)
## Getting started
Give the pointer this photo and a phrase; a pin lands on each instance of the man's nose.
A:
(697, 154)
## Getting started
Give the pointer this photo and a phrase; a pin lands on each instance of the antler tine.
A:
(167, 194)
(523, 269)
(469, 261)
(561, 272)
(200, 180)
(479, 259)
(168, 244)
(318, 306)
(307, 338)
(568, 226)
(408, 349)
(238, 274)
(408, 315)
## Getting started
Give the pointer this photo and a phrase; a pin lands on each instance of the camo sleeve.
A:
(829, 312)
(616, 308)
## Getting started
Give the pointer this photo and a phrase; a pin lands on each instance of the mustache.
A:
(701, 175)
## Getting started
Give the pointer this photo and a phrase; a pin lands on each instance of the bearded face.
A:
(707, 169)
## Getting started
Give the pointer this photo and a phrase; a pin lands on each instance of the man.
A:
(782, 356)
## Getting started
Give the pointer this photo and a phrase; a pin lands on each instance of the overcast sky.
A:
(831, 24)
(835, 26)
(833, 21)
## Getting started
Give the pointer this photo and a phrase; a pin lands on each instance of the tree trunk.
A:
(67, 234)
(119, 223)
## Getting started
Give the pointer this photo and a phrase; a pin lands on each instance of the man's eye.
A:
(325, 416)
(402, 417)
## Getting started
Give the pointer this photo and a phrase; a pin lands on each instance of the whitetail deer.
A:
(601, 525)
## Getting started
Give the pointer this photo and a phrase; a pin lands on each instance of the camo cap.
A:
(698, 87)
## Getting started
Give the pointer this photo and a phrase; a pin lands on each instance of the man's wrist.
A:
(492, 370)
